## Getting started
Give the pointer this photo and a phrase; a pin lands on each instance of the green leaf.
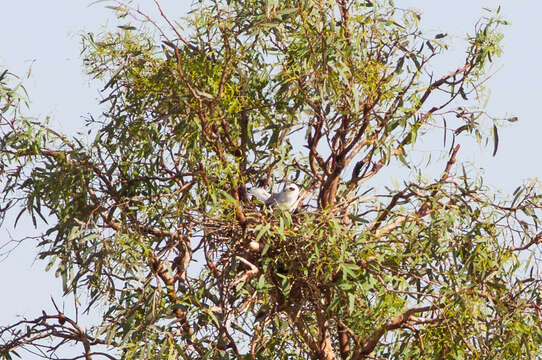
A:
(264, 229)
(495, 140)
(126, 27)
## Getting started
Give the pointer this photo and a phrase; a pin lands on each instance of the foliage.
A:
(151, 219)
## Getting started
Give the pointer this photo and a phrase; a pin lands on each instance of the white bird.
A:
(287, 198)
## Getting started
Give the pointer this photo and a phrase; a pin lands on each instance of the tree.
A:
(150, 220)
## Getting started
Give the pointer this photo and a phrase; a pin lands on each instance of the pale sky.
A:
(46, 38)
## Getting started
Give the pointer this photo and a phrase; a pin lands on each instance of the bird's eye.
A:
(291, 188)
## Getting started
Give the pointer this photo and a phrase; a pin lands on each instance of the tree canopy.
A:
(149, 222)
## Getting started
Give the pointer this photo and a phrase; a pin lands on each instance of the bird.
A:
(287, 198)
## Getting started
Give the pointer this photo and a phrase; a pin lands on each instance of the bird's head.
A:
(291, 189)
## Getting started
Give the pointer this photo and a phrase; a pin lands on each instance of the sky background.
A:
(45, 37)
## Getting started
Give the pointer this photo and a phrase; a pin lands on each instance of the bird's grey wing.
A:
(272, 200)
(280, 198)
